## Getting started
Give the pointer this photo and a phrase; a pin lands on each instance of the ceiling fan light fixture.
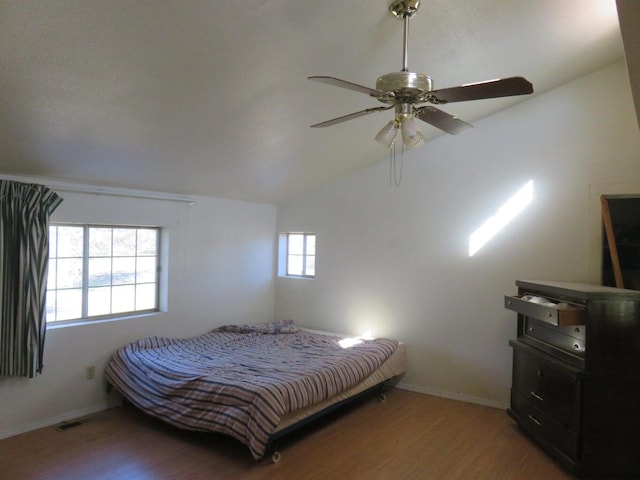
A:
(387, 135)
(411, 136)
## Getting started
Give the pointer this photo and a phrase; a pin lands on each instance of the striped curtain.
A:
(24, 256)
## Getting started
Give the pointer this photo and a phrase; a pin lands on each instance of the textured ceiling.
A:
(211, 97)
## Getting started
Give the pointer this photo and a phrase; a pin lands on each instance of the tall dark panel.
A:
(625, 218)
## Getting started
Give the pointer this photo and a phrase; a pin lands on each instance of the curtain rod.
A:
(102, 190)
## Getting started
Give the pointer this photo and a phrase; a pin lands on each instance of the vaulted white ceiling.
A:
(210, 97)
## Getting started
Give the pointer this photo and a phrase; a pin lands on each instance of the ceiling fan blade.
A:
(504, 87)
(344, 118)
(352, 86)
(442, 120)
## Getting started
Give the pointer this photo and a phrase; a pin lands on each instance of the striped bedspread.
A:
(238, 383)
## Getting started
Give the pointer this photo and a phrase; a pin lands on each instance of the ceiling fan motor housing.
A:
(406, 86)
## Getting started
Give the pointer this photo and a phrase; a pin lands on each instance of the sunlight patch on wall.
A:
(507, 212)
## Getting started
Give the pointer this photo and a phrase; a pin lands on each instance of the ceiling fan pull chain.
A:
(398, 178)
(391, 166)
(395, 176)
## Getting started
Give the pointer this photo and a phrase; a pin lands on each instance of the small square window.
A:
(297, 255)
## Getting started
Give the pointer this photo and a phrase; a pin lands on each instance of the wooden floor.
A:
(410, 436)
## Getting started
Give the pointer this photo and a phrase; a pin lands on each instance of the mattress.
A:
(248, 381)
(394, 366)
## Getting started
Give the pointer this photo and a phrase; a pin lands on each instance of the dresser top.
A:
(579, 290)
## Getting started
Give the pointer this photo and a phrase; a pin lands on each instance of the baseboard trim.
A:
(453, 396)
(18, 429)
(47, 422)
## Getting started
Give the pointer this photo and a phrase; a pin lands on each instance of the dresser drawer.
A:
(570, 339)
(553, 314)
(550, 386)
(544, 429)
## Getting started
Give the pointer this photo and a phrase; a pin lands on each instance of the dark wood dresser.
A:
(576, 375)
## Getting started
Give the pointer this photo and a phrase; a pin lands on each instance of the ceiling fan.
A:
(406, 91)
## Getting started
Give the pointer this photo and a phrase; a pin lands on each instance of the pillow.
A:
(284, 326)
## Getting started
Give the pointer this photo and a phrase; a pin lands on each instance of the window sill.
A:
(75, 323)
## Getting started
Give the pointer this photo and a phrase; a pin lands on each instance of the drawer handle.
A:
(535, 420)
(536, 396)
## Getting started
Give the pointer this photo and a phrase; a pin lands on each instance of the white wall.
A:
(395, 260)
(220, 271)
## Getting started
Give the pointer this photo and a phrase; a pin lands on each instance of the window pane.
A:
(296, 244)
(146, 296)
(294, 265)
(311, 244)
(123, 299)
(124, 270)
(146, 271)
(51, 307)
(70, 241)
(147, 241)
(69, 304)
(311, 266)
(69, 273)
(53, 241)
(124, 242)
(100, 242)
(51, 274)
(99, 301)
(99, 272)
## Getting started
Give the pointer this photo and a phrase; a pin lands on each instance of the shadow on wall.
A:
(447, 372)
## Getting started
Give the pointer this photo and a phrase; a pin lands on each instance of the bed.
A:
(255, 383)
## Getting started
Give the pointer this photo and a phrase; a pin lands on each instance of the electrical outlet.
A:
(91, 372)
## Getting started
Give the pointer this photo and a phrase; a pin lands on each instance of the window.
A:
(101, 271)
(301, 254)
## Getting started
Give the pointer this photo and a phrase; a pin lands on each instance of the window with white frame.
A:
(300, 255)
(98, 272)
